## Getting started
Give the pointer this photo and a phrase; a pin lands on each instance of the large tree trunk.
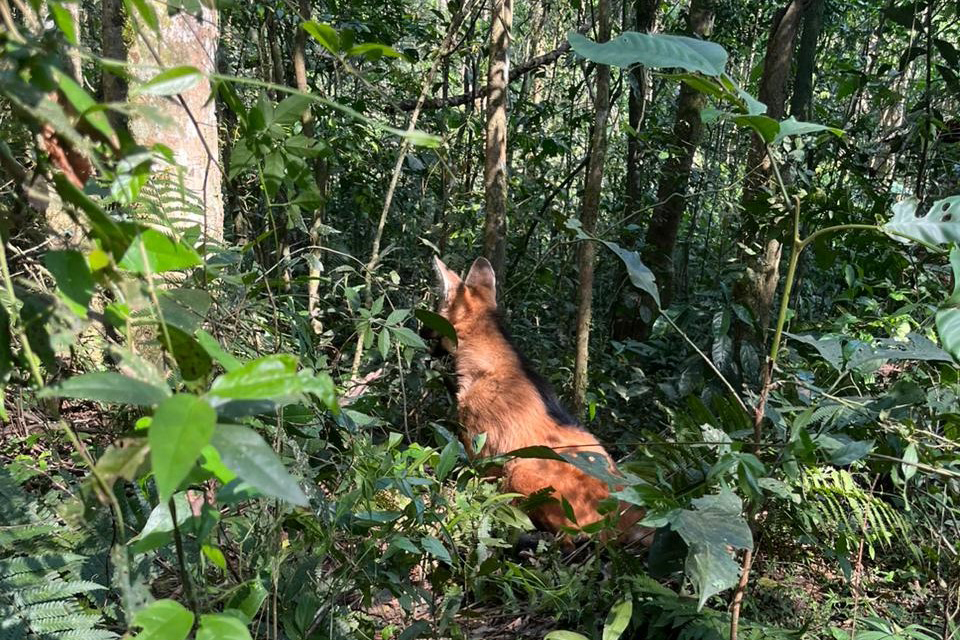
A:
(590, 208)
(191, 127)
(757, 287)
(495, 165)
(661, 238)
(802, 101)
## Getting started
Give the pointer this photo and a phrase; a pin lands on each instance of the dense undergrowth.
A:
(192, 444)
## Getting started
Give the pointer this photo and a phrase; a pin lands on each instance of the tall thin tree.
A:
(589, 212)
(495, 165)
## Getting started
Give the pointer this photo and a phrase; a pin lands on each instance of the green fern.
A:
(43, 595)
(837, 505)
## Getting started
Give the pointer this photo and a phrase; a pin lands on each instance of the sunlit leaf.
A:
(246, 453)
(154, 252)
(170, 82)
(656, 51)
(182, 426)
(163, 620)
(938, 227)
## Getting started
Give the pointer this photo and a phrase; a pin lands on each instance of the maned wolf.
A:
(499, 394)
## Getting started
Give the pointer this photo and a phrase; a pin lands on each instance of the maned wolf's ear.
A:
(449, 280)
(482, 276)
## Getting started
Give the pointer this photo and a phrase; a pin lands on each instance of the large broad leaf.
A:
(74, 280)
(170, 82)
(291, 108)
(940, 226)
(438, 323)
(791, 127)
(715, 525)
(222, 627)
(656, 51)
(163, 620)
(274, 378)
(640, 275)
(107, 386)
(154, 252)
(251, 458)
(185, 308)
(914, 347)
(182, 426)
(830, 349)
(948, 316)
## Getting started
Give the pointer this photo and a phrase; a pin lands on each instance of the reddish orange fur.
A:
(496, 397)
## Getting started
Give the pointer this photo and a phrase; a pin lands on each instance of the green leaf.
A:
(192, 359)
(640, 275)
(264, 378)
(448, 458)
(765, 126)
(65, 22)
(830, 349)
(185, 308)
(948, 316)
(938, 227)
(220, 626)
(154, 252)
(910, 459)
(618, 619)
(291, 108)
(245, 453)
(248, 598)
(565, 635)
(122, 461)
(74, 281)
(438, 323)
(408, 337)
(85, 105)
(383, 343)
(163, 620)
(716, 524)
(158, 529)
(109, 387)
(434, 547)
(217, 352)
(791, 127)
(214, 555)
(374, 51)
(324, 34)
(182, 426)
(170, 82)
(653, 50)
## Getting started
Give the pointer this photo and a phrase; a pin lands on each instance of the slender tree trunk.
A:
(495, 165)
(645, 16)
(661, 238)
(758, 286)
(589, 212)
(184, 40)
(802, 101)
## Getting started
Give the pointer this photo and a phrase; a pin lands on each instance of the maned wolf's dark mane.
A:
(549, 397)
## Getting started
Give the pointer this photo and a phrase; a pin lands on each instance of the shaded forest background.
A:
(221, 414)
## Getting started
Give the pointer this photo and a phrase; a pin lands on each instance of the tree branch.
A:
(516, 73)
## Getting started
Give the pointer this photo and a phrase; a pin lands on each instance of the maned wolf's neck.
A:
(484, 352)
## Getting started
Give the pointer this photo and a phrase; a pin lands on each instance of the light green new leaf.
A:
(109, 387)
(162, 253)
(182, 426)
(618, 619)
(938, 227)
(222, 627)
(716, 524)
(74, 280)
(792, 127)
(245, 453)
(565, 635)
(656, 51)
(324, 34)
(163, 620)
(170, 82)
(375, 51)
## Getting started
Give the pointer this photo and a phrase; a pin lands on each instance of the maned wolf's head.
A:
(467, 301)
